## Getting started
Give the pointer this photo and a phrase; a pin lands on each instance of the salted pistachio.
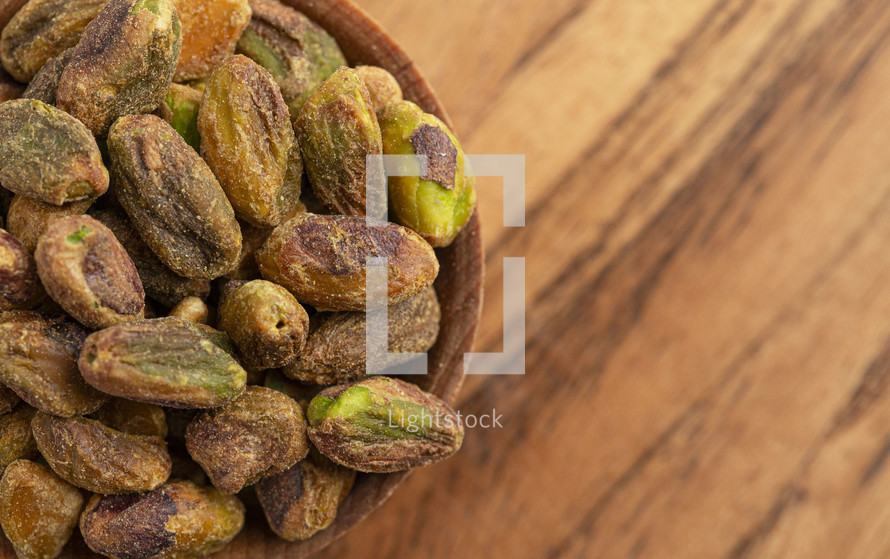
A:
(177, 520)
(173, 199)
(383, 425)
(38, 510)
(210, 31)
(335, 351)
(252, 240)
(133, 418)
(9, 88)
(42, 29)
(160, 282)
(86, 270)
(180, 110)
(29, 218)
(16, 440)
(46, 82)
(19, 284)
(261, 433)
(38, 355)
(383, 86)
(338, 131)
(8, 400)
(266, 322)
(441, 201)
(165, 361)
(248, 141)
(191, 309)
(299, 54)
(100, 459)
(321, 260)
(124, 63)
(47, 154)
(303, 500)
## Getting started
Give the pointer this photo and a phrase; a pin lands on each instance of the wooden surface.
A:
(708, 281)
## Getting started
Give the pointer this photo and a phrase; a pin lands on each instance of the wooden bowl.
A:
(459, 286)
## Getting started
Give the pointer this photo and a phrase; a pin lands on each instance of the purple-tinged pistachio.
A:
(338, 130)
(440, 202)
(383, 86)
(248, 141)
(29, 218)
(180, 110)
(321, 260)
(177, 520)
(38, 510)
(210, 31)
(86, 270)
(303, 500)
(16, 440)
(38, 362)
(19, 284)
(46, 83)
(47, 154)
(41, 30)
(173, 199)
(131, 417)
(336, 349)
(298, 53)
(100, 459)
(383, 425)
(165, 361)
(261, 433)
(266, 323)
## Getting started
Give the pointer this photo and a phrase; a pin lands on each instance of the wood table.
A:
(708, 281)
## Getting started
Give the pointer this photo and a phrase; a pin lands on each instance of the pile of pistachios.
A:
(183, 274)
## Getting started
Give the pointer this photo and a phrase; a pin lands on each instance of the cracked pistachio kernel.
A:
(47, 154)
(382, 425)
(248, 141)
(304, 499)
(173, 199)
(88, 273)
(338, 130)
(38, 510)
(261, 433)
(298, 53)
(308, 256)
(19, 284)
(382, 86)
(41, 30)
(336, 346)
(210, 31)
(165, 361)
(441, 201)
(177, 520)
(266, 323)
(124, 63)
(180, 110)
(38, 355)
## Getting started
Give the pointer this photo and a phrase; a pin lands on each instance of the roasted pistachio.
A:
(382, 425)
(303, 500)
(42, 29)
(29, 218)
(441, 201)
(100, 459)
(46, 83)
(248, 141)
(166, 361)
(133, 418)
(335, 351)
(191, 309)
(47, 154)
(321, 260)
(180, 110)
(19, 285)
(266, 322)
(263, 432)
(37, 361)
(16, 440)
(86, 270)
(173, 198)
(210, 30)
(298, 53)
(38, 510)
(382, 86)
(124, 63)
(176, 520)
(8, 400)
